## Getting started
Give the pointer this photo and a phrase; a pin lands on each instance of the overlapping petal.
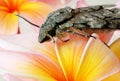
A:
(9, 77)
(114, 77)
(79, 54)
(35, 12)
(8, 23)
(31, 65)
(94, 62)
(115, 47)
(69, 55)
(32, 10)
(97, 63)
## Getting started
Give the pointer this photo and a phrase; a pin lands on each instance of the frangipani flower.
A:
(79, 59)
(34, 11)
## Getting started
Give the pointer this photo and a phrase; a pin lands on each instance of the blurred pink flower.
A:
(118, 3)
(62, 3)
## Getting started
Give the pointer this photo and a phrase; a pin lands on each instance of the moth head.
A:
(43, 35)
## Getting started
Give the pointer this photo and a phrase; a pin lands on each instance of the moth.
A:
(85, 18)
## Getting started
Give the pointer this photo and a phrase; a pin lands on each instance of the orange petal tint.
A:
(105, 35)
(12, 4)
(36, 12)
(2, 8)
(47, 48)
(36, 66)
(114, 77)
(69, 54)
(115, 47)
(8, 23)
(98, 62)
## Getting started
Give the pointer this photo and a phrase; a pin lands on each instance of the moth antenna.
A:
(28, 21)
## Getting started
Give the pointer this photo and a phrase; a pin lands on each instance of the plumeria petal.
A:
(30, 65)
(105, 36)
(68, 54)
(98, 62)
(30, 44)
(6, 42)
(35, 12)
(86, 62)
(4, 9)
(9, 77)
(115, 36)
(8, 23)
(115, 47)
(114, 77)
(26, 28)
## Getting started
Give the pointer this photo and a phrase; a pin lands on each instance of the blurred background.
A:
(95, 2)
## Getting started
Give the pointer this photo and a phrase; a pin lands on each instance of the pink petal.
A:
(27, 43)
(9, 77)
(115, 36)
(81, 3)
(35, 12)
(36, 66)
(8, 23)
(25, 27)
(17, 44)
(118, 3)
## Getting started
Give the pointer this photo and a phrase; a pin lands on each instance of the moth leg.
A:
(61, 34)
(51, 38)
(85, 35)
(81, 34)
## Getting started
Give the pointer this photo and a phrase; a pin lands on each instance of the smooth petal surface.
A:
(68, 54)
(30, 65)
(115, 36)
(81, 3)
(1, 78)
(114, 77)
(115, 47)
(30, 43)
(35, 12)
(62, 3)
(10, 4)
(87, 62)
(105, 36)
(8, 23)
(9, 77)
(98, 62)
